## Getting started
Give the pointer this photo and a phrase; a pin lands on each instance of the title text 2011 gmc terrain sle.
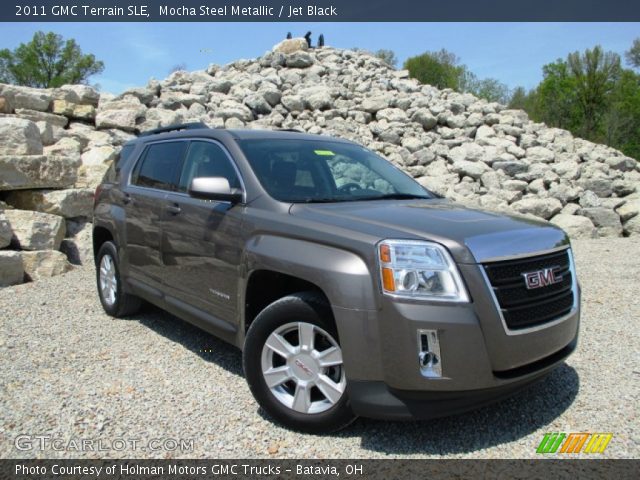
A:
(350, 288)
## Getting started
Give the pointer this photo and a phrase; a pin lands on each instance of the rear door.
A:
(153, 177)
(203, 239)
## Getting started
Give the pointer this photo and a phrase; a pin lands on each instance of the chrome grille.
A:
(523, 308)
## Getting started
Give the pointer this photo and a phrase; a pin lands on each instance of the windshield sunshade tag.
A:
(324, 153)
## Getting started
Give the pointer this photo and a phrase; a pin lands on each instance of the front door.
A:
(202, 241)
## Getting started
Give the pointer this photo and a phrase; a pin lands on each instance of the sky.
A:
(514, 53)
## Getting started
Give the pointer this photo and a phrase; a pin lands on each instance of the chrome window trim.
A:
(176, 192)
(557, 321)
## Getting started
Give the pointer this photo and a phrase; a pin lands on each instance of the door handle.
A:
(126, 198)
(174, 209)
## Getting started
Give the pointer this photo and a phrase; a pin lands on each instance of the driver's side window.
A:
(207, 159)
(347, 171)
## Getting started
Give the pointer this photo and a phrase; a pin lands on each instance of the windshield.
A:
(309, 171)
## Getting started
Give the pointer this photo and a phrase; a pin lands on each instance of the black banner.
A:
(319, 469)
(318, 11)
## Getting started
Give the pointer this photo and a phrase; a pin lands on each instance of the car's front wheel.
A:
(115, 301)
(293, 362)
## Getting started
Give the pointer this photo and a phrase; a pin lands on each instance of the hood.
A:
(471, 235)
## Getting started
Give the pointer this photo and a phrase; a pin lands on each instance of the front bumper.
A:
(481, 362)
(375, 399)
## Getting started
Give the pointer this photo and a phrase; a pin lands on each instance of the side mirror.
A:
(214, 188)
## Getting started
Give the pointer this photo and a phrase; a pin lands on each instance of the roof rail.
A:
(173, 128)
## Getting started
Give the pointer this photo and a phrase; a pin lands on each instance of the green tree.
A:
(595, 74)
(441, 69)
(554, 100)
(633, 54)
(388, 56)
(520, 99)
(47, 61)
(575, 93)
(622, 118)
(591, 95)
(490, 89)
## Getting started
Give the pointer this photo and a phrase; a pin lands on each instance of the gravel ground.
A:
(71, 372)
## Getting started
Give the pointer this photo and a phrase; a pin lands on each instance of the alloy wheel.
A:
(302, 366)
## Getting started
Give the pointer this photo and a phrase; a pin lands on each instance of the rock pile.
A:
(57, 144)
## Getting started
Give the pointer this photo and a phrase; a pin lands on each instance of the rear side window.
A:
(159, 164)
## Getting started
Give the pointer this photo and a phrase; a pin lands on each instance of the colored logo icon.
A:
(559, 442)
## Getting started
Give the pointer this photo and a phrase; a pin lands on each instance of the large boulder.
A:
(160, 117)
(469, 168)
(90, 176)
(317, 98)
(19, 172)
(44, 263)
(6, 234)
(80, 94)
(36, 116)
(576, 226)
(124, 119)
(36, 171)
(299, 59)
(65, 147)
(35, 230)
(74, 110)
(291, 45)
(79, 246)
(19, 136)
(632, 226)
(630, 209)
(70, 203)
(540, 207)
(11, 268)
(605, 219)
(27, 97)
(6, 104)
(373, 104)
(121, 114)
(100, 155)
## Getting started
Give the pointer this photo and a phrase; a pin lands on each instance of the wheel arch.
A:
(340, 276)
(101, 234)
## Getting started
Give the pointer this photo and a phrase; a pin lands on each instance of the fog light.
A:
(429, 354)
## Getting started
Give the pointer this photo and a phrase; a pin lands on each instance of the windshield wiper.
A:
(388, 196)
(396, 196)
(326, 200)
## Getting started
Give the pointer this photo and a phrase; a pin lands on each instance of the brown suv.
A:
(350, 288)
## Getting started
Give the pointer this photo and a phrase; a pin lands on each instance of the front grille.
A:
(522, 307)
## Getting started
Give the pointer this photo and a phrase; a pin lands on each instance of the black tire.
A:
(307, 307)
(123, 303)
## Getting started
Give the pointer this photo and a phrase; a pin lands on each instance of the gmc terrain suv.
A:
(350, 289)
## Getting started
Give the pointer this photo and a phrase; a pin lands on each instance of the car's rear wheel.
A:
(293, 363)
(115, 301)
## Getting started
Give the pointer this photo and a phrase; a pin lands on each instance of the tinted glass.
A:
(206, 159)
(326, 171)
(158, 166)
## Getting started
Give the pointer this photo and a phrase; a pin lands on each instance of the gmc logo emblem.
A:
(542, 278)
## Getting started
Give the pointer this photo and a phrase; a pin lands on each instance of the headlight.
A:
(420, 270)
